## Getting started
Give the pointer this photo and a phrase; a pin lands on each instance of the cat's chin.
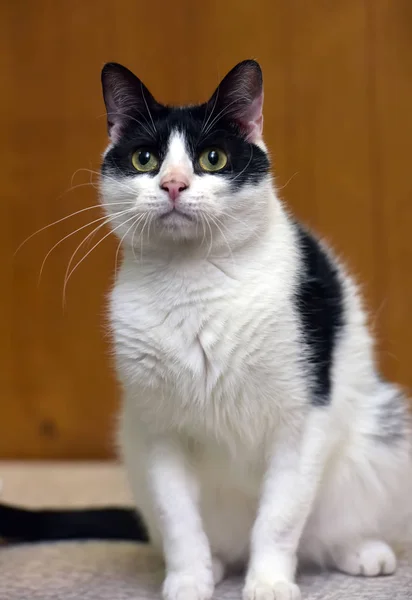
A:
(177, 225)
(175, 218)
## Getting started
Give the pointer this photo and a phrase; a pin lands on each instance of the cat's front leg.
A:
(288, 492)
(174, 489)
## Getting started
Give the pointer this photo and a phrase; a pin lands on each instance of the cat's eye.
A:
(212, 160)
(144, 161)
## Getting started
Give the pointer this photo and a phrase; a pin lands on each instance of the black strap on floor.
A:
(111, 523)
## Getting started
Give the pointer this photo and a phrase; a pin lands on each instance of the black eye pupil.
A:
(213, 157)
(144, 157)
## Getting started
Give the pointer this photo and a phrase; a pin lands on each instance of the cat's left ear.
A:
(126, 98)
(239, 97)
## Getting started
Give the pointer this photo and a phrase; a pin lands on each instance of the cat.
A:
(255, 429)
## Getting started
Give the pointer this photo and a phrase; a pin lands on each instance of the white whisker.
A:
(204, 229)
(148, 110)
(141, 235)
(150, 133)
(140, 219)
(89, 252)
(211, 238)
(244, 223)
(278, 189)
(215, 222)
(89, 237)
(220, 114)
(85, 170)
(204, 125)
(67, 217)
(105, 219)
(134, 224)
(77, 186)
(247, 165)
(151, 219)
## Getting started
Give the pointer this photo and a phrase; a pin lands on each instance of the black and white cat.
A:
(255, 428)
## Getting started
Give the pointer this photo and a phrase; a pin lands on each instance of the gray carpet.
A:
(124, 571)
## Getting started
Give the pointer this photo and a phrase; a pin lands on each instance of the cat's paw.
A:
(218, 569)
(370, 559)
(276, 590)
(188, 586)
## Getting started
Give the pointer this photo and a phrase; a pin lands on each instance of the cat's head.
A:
(195, 174)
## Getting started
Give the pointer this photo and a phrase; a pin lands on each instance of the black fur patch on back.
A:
(320, 306)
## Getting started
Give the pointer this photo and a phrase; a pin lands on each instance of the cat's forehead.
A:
(177, 145)
(188, 116)
(184, 122)
(177, 158)
(194, 124)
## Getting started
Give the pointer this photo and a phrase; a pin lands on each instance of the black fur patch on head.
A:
(320, 306)
(231, 120)
(247, 163)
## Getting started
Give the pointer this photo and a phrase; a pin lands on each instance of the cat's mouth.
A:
(175, 214)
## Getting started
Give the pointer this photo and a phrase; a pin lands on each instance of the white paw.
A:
(218, 569)
(277, 590)
(369, 559)
(187, 586)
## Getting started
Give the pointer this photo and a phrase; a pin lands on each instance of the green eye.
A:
(144, 161)
(212, 160)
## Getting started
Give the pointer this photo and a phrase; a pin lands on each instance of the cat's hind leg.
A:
(364, 494)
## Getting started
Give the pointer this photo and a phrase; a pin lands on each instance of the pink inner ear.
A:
(115, 132)
(119, 101)
(252, 119)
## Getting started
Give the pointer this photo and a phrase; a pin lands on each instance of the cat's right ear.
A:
(239, 97)
(125, 97)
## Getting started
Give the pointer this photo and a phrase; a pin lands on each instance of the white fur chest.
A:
(169, 326)
(202, 351)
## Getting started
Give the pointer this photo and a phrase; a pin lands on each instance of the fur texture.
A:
(255, 429)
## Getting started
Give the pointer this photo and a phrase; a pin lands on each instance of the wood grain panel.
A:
(229, 32)
(59, 391)
(391, 49)
(328, 137)
(337, 96)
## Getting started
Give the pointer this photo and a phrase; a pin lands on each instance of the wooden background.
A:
(338, 82)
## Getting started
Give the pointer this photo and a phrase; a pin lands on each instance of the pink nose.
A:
(174, 188)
